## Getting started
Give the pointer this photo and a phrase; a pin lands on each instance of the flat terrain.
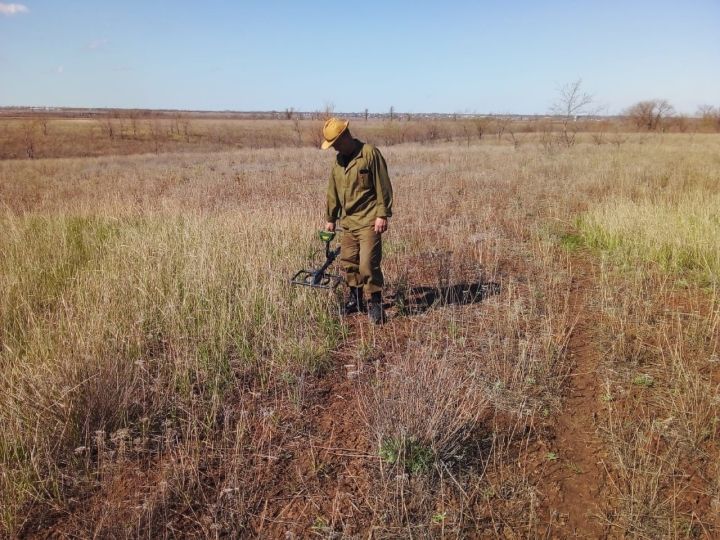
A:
(550, 366)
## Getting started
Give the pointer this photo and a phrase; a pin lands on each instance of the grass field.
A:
(160, 377)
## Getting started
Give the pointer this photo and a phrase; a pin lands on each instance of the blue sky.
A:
(449, 56)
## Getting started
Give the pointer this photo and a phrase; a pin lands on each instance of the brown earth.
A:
(574, 485)
(321, 463)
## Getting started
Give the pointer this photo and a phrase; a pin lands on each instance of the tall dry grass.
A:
(661, 408)
(149, 339)
(119, 319)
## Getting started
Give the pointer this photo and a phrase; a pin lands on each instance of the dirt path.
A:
(317, 488)
(575, 482)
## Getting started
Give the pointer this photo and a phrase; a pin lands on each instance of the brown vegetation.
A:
(161, 378)
(28, 134)
(650, 115)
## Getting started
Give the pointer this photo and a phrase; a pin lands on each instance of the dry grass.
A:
(22, 138)
(661, 421)
(124, 133)
(154, 357)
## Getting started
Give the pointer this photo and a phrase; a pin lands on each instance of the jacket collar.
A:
(347, 163)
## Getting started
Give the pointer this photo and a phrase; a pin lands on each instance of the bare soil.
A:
(574, 484)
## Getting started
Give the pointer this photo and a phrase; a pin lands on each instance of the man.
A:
(360, 195)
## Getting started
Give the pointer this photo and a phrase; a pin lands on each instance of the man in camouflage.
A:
(360, 195)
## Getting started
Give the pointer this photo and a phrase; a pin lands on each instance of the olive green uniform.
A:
(358, 192)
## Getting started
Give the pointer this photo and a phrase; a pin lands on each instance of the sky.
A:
(482, 56)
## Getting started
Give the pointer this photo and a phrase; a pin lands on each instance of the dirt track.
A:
(575, 482)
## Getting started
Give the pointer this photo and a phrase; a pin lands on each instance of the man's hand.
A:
(381, 225)
(330, 226)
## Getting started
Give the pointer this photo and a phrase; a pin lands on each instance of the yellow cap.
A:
(333, 128)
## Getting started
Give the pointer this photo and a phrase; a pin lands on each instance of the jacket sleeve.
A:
(383, 187)
(332, 209)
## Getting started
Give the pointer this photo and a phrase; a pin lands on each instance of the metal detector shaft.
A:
(330, 257)
(318, 278)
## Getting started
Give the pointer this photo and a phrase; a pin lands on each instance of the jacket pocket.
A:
(365, 178)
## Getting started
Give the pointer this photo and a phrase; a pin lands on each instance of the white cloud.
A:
(60, 70)
(97, 44)
(12, 9)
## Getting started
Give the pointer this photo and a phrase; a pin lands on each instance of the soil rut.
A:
(576, 480)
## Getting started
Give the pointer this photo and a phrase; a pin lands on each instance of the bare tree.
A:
(289, 112)
(312, 134)
(650, 114)
(571, 103)
(328, 110)
(392, 112)
(511, 136)
(467, 131)
(710, 116)
(501, 124)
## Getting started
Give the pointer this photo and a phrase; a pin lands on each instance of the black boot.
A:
(355, 302)
(375, 309)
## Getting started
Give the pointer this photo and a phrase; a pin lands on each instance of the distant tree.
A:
(710, 116)
(572, 102)
(392, 112)
(511, 135)
(366, 115)
(467, 131)
(501, 124)
(650, 114)
(289, 112)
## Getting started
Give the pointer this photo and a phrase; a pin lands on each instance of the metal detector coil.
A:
(319, 278)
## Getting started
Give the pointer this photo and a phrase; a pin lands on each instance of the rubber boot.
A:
(354, 302)
(375, 309)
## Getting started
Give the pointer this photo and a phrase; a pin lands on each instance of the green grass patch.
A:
(571, 241)
(681, 236)
(409, 453)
